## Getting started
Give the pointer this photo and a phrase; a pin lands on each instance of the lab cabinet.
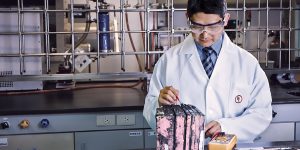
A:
(277, 132)
(298, 131)
(286, 112)
(59, 141)
(150, 139)
(284, 126)
(109, 140)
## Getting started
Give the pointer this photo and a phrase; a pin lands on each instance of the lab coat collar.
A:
(189, 52)
(189, 46)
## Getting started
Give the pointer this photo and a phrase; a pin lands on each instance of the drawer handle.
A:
(274, 113)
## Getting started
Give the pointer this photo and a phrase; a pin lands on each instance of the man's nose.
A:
(204, 34)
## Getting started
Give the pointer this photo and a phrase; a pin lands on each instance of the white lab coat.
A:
(237, 95)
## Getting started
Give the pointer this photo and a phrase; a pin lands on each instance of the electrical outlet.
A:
(128, 119)
(105, 120)
(81, 62)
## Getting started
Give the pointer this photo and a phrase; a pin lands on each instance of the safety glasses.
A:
(212, 28)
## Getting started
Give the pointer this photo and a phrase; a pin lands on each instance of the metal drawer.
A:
(60, 141)
(150, 139)
(298, 131)
(109, 140)
(286, 112)
(277, 132)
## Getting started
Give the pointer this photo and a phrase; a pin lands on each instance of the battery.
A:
(165, 120)
(179, 127)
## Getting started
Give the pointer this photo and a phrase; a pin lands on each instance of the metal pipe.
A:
(72, 36)
(146, 24)
(47, 40)
(20, 28)
(259, 24)
(244, 23)
(172, 20)
(168, 24)
(280, 35)
(94, 54)
(290, 24)
(152, 31)
(122, 3)
(81, 32)
(147, 64)
(82, 77)
(236, 20)
(97, 37)
(267, 41)
(141, 10)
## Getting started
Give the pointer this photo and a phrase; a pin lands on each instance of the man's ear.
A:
(187, 17)
(226, 18)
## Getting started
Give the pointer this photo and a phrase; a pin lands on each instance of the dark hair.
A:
(218, 7)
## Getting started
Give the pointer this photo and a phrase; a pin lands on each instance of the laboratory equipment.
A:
(104, 37)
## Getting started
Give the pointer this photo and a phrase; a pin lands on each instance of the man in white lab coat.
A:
(207, 70)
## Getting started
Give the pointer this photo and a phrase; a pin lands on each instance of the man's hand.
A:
(212, 128)
(168, 96)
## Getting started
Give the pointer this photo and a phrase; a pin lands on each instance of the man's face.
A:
(207, 28)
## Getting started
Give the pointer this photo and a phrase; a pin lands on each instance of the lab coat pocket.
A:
(238, 101)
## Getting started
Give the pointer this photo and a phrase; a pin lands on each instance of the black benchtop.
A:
(280, 95)
(87, 100)
(96, 99)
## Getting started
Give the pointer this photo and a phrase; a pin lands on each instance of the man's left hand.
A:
(212, 128)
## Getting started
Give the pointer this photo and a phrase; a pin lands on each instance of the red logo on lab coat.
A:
(238, 99)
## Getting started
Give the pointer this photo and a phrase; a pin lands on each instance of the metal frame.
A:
(146, 52)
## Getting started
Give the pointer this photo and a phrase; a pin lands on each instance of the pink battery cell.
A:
(165, 128)
(179, 127)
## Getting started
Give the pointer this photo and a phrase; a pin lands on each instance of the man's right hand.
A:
(168, 96)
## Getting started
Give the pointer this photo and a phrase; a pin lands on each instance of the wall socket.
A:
(126, 119)
(106, 120)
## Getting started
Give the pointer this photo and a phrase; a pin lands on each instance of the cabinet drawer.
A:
(109, 140)
(298, 131)
(150, 139)
(277, 132)
(60, 141)
(286, 112)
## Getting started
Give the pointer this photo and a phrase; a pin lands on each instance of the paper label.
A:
(137, 133)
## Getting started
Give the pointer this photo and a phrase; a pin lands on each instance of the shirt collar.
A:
(216, 46)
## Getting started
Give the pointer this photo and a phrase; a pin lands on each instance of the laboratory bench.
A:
(72, 101)
(285, 95)
(75, 119)
(98, 99)
(93, 118)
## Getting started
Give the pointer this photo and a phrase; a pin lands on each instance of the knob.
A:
(24, 124)
(4, 125)
(44, 123)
